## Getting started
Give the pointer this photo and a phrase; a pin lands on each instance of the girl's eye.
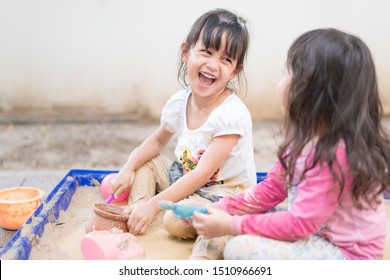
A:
(228, 60)
(206, 51)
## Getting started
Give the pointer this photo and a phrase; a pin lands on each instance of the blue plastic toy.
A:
(182, 211)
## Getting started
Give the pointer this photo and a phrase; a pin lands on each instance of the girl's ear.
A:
(236, 71)
(184, 52)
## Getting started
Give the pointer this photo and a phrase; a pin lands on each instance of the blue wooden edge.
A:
(58, 200)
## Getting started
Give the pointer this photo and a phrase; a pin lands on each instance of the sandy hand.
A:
(141, 215)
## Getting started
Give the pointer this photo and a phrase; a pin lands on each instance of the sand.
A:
(61, 240)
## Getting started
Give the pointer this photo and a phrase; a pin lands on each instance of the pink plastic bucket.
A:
(105, 245)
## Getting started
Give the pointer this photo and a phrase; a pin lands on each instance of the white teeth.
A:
(208, 76)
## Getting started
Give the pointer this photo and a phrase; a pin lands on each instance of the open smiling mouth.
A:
(206, 79)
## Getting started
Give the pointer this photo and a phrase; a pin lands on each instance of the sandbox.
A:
(56, 228)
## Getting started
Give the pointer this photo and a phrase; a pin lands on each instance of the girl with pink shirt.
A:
(332, 165)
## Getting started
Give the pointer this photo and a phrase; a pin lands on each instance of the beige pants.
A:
(152, 178)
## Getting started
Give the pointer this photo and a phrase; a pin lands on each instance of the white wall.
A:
(121, 56)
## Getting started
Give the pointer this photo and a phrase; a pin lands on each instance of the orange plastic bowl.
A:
(17, 205)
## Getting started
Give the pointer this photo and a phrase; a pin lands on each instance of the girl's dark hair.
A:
(213, 25)
(333, 96)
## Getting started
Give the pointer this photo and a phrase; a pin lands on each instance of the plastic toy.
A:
(17, 205)
(105, 189)
(106, 245)
(182, 211)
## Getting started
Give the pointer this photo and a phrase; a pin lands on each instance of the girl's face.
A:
(208, 70)
(282, 89)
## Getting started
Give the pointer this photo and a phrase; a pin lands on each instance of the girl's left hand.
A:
(215, 223)
(141, 216)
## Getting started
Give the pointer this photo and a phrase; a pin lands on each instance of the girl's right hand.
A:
(214, 224)
(141, 215)
(121, 182)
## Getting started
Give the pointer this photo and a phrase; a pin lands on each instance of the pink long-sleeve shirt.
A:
(313, 209)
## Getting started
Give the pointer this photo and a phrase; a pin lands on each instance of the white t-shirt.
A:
(237, 172)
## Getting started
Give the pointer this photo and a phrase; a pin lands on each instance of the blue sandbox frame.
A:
(59, 200)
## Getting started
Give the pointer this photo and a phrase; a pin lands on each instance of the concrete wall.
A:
(121, 56)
